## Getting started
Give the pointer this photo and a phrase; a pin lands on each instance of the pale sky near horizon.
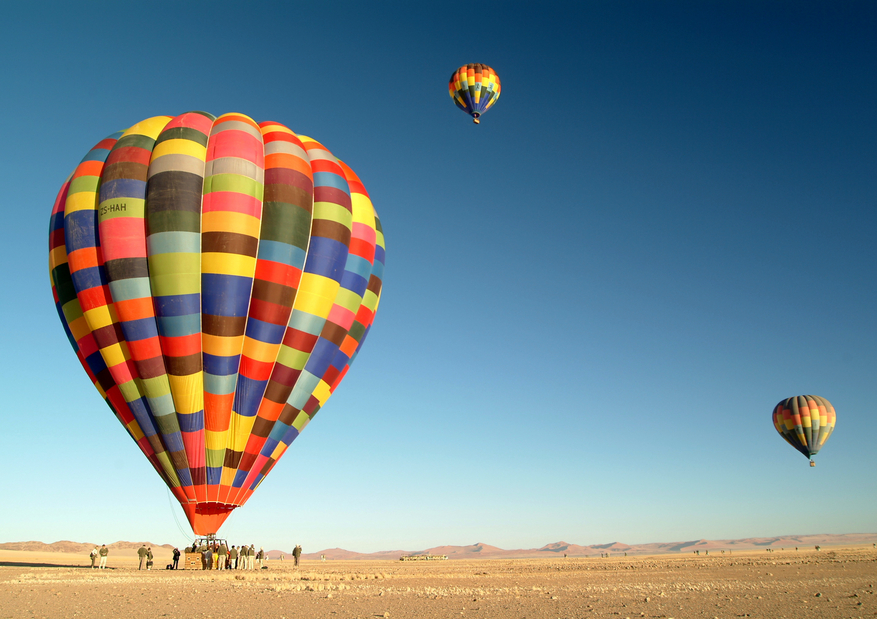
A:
(592, 300)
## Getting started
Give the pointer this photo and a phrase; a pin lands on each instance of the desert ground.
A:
(833, 582)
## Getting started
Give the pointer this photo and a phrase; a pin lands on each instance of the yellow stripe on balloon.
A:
(179, 147)
(229, 221)
(188, 392)
(316, 294)
(150, 127)
(260, 351)
(243, 426)
(228, 264)
(322, 392)
(100, 317)
(221, 346)
(115, 355)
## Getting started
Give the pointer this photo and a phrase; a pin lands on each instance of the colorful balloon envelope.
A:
(474, 88)
(216, 278)
(805, 422)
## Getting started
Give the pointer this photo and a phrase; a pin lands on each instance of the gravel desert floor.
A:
(832, 583)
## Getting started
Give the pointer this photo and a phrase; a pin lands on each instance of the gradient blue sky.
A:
(592, 301)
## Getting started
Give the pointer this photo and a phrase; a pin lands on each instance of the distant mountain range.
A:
(559, 549)
(77, 547)
(484, 551)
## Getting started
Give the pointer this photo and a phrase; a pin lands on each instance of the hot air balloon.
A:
(474, 88)
(216, 278)
(805, 422)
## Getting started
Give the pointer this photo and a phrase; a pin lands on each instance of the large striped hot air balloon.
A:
(474, 88)
(806, 422)
(216, 278)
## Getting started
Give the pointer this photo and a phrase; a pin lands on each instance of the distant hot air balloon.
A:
(474, 88)
(216, 278)
(806, 422)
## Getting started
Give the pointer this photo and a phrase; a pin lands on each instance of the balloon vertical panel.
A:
(175, 181)
(304, 352)
(231, 215)
(283, 245)
(122, 213)
(77, 269)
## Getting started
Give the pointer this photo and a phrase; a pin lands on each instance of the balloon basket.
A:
(812, 463)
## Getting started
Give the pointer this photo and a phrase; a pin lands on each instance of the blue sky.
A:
(592, 301)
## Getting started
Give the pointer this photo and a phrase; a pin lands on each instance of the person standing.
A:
(93, 557)
(176, 558)
(261, 557)
(223, 555)
(251, 557)
(141, 552)
(296, 554)
(103, 552)
(232, 558)
(149, 558)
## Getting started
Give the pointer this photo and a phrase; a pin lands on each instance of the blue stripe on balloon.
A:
(321, 357)
(225, 295)
(354, 282)
(192, 422)
(265, 331)
(358, 265)
(177, 326)
(326, 257)
(91, 277)
(214, 475)
(178, 305)
(248, 396)
(173, 441)
(330, 179)
(283, 253)
(140, 329)
(239, 478)
(122, 188)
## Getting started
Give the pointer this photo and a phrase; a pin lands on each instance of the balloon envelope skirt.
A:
(216, 278)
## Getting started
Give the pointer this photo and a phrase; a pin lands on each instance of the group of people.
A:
(217, 556)
(146, 557)
(220, 557)
(101, 552)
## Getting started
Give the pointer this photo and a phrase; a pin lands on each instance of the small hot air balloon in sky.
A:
(474, 88)
(216, 278)
(806, 422)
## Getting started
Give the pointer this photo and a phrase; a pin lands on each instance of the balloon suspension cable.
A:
(174, 513)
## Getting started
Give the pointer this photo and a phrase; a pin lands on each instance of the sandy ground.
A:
(834, 582)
